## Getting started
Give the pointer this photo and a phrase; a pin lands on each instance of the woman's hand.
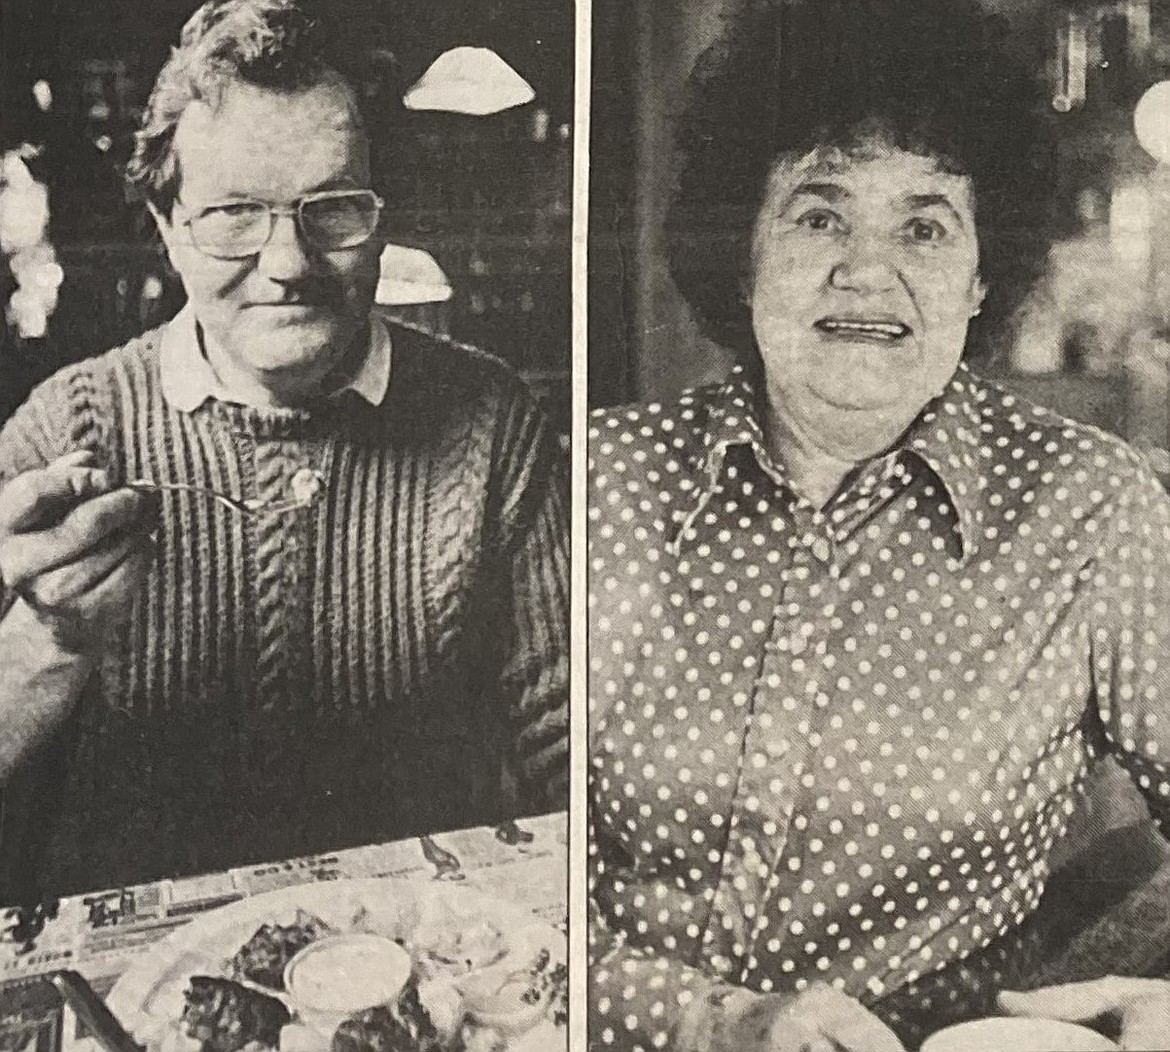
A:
(1142, 1006)
(820, 1019)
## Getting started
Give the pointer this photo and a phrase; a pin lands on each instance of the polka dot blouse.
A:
(839, 744)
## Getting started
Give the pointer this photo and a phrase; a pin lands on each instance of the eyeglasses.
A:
(329, 221)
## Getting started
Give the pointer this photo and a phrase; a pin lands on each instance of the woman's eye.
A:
(820, 219)
(925, 230)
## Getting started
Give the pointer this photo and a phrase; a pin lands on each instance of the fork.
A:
(249, 506)
(92, 1011)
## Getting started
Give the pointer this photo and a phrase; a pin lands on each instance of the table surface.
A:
(101, 934)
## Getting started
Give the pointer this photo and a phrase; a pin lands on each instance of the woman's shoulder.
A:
(680, 424)
(1024, 438)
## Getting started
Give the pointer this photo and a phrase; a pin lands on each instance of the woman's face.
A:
(865, 273)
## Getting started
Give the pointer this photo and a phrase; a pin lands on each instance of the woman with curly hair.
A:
(862, 623)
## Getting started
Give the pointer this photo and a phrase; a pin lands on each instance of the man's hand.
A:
(1141, 1006)
(821, 1019)
(73, 548)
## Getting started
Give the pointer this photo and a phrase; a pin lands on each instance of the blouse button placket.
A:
(798, 630)
(747, 871)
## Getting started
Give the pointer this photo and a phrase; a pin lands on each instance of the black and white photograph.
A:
(878, 527)
(285, 412)
(531, 525)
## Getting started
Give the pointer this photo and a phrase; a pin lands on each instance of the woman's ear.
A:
(978, 294)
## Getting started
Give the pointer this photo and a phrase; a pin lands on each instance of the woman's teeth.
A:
(882, 330)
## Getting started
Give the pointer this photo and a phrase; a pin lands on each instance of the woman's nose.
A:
(866, 264)
(286, 255)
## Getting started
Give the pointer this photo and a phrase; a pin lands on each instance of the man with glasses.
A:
(277, 579)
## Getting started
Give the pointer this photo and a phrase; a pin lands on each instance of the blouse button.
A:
(821, 550)
(775, 748)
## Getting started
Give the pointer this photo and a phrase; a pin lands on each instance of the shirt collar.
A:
(188, 379)
(729, 418)
(944, 437)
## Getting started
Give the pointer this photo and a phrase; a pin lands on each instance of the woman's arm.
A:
(639, 999)
(1130, 645)
(1140, 1006)
(643, 998)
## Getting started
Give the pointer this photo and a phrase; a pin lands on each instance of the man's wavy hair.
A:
(283, 45)
(932, 77)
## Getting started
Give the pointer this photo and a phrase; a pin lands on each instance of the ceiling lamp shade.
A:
(471, 80)
(410, 276)
(1151, 121)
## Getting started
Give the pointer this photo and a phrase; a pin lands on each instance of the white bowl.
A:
(339, 976)
(1017, 1034)
(496, 999)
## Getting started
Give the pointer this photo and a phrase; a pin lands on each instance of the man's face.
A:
(287, 315)
(865, 276)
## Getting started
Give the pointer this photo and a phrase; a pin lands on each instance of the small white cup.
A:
(1019, 1034)
(337, 977)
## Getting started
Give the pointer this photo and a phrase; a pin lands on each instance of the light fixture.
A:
(1151, 121)
(1072, 58)
(471, 80)
(410, 276)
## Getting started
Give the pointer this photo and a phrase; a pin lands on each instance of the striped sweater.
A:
(390, 660)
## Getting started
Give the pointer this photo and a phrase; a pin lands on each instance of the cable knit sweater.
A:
(382, 663)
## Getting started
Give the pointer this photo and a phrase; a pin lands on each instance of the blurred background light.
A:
(24, 205)
(24, 223)
(1130, 222)
(43, 95)
(1151, 121)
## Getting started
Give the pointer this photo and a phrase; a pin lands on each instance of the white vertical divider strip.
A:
(578, 722)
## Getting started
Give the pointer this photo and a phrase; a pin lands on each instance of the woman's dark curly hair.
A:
(282, 45)
(787, 76)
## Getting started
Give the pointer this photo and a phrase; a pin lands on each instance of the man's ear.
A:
(165, 228)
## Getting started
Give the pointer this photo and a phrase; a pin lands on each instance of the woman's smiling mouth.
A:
(879, 330)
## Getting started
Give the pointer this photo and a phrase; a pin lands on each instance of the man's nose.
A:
(286, 256)
(866, 264)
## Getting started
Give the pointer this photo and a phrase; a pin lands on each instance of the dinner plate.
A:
(148, 998)
(1001, 1034)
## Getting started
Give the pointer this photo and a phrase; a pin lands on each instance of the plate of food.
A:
(373, 965)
